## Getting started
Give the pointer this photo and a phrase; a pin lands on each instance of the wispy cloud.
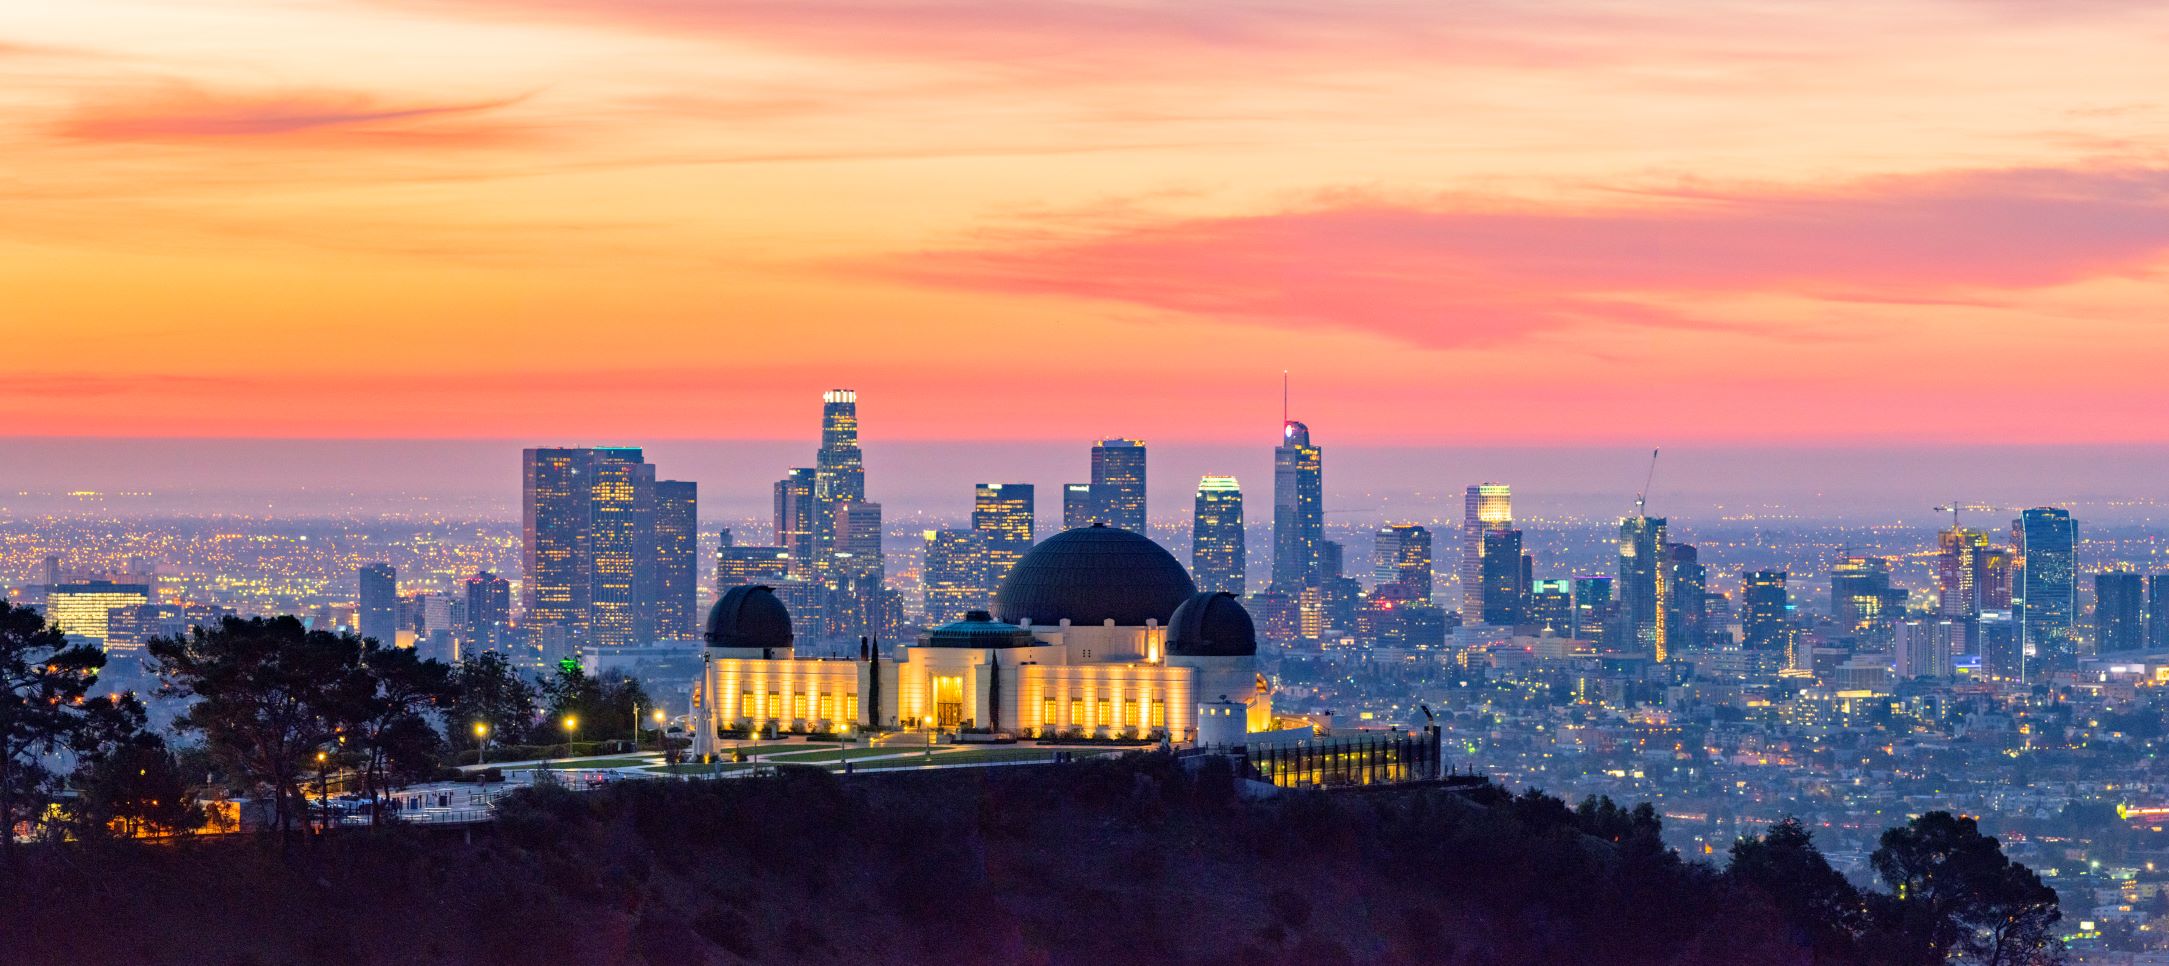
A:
(1452, 272)
(183, 112)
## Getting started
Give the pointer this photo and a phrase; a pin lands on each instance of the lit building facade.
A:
(2047, 602)
(677, 558)
(84, 608)
(795, 513)
(488, 617)
(1486, 506)
(1078, 508)
(1003, 515)
(589, 548)
(1500, 578)
(1298, 508)
(1642, 617)
(1218, 558)
(1401, 563)
(376, 613)
(955, 574)
(1118, 483)
(1097, 631)
(2119, 613)
(1765, 621)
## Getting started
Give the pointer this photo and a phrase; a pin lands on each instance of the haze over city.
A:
(1228, 482)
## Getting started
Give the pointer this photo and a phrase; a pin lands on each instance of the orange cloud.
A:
(183, 112)
(1455, 273)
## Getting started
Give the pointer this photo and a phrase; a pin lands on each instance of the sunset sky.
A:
(1574, 222)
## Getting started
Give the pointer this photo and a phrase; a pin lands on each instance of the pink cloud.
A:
(1056, 37)
(181, 112)
(1451, 272)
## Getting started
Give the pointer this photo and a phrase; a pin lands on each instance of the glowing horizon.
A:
(1937, 221)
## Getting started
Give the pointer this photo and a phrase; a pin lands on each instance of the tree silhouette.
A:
(46, 708)
(1955, 891)
(1823, 911)
(134, 789)
(390, 721)
(492, 692)
(268, 695)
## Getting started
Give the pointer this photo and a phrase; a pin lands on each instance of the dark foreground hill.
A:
(1096, 862)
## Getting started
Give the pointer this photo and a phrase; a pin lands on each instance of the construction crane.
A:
(1954, 506)
(1641, 500)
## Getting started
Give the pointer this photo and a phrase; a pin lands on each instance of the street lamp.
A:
(323, 787)
(482, 755)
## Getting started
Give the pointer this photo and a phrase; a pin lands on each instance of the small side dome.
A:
(1211, 624)
(979, 629)
(749, 616)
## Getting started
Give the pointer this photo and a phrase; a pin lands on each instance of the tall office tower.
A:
(1643, 620)
(1488, 506)
(1861, 597)
(1992, 577)
(1501, 579)
(839, 473)
(554, 527)
(1958, 566)
(956, 575)
(2003, 651)
(1687, 592)
(128, 628)
(2157, 612)
(796, 525)
(2119, 613)
(1924, 647)
(1298, 507)
(857, 574)
(1118, 483)
(677, 558)
(1332, 562)
(1401, 563)
(1551, 607)
(588, 547)
(1217, 557)
(52, 571)
(735, 566)
(377, 614)
(1764, 622)
(1078, 507)
(1592, 606)
(83, 608)
(2045, 603)
(622, 544)
(1004, 512)
(489, 613)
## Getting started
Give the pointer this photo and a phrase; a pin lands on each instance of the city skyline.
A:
(1776, 223)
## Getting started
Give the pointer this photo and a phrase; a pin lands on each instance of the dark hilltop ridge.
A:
(1138, 860)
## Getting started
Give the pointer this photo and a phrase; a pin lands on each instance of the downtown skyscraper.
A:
(2119, 612)
(376, 614)
(839, 471)
(1118, 483)
(487, 619)
(1643, 589)
(1298, 508)
(1401, 563)
(1486, 506)
(796, 527)
(1217, 557)
(589, 550)
(677, 558)
(2047, 601)
(1004, 514)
